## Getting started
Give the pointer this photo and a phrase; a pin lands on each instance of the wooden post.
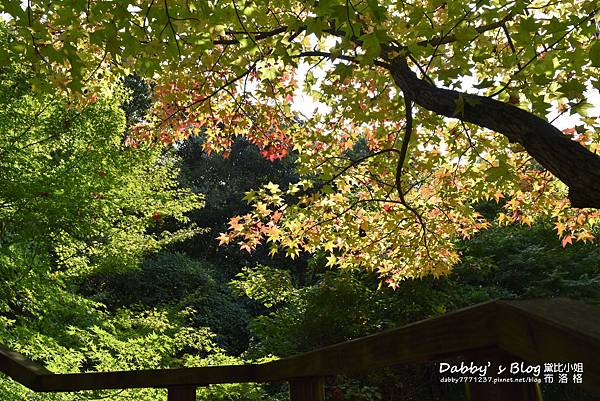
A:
(500, 391)
(182, 393)
(503, 392)
(307, 389)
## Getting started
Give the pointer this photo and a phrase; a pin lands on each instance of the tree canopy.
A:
(77, 204)
(389, 73)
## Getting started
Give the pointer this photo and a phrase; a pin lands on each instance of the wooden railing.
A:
(538, 331)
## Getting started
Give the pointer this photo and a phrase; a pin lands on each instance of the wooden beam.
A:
(150, 378)
(307, 389)
(182, 393)
(553, 330)
(21, 369)
(427, 340)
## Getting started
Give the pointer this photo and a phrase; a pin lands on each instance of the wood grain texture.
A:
(307, 389)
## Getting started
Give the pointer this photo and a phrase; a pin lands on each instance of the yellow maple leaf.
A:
(223, 238)
(261, 208)
(331, 259)
(329, 245)
(234, 223)
(560, 228)
(585, 236)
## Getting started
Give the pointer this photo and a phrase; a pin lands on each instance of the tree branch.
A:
(213, 93)
(446, 39)
(566, 159)
(317, 53)
(401, 158)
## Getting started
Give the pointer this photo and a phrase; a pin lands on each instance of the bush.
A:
(177, 282)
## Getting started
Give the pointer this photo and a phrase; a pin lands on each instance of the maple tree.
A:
(389, 73)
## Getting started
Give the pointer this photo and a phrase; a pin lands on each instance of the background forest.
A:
(110, 257)
(110, 261)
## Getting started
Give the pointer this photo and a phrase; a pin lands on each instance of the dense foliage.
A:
(76, 202)
(400, 197)
(502, 262)
(233, 69)
(224, 180)
(175, 282)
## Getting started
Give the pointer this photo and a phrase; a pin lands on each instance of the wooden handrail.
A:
(542, 330)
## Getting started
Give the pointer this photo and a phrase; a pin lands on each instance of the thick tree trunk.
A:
(568, 160)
